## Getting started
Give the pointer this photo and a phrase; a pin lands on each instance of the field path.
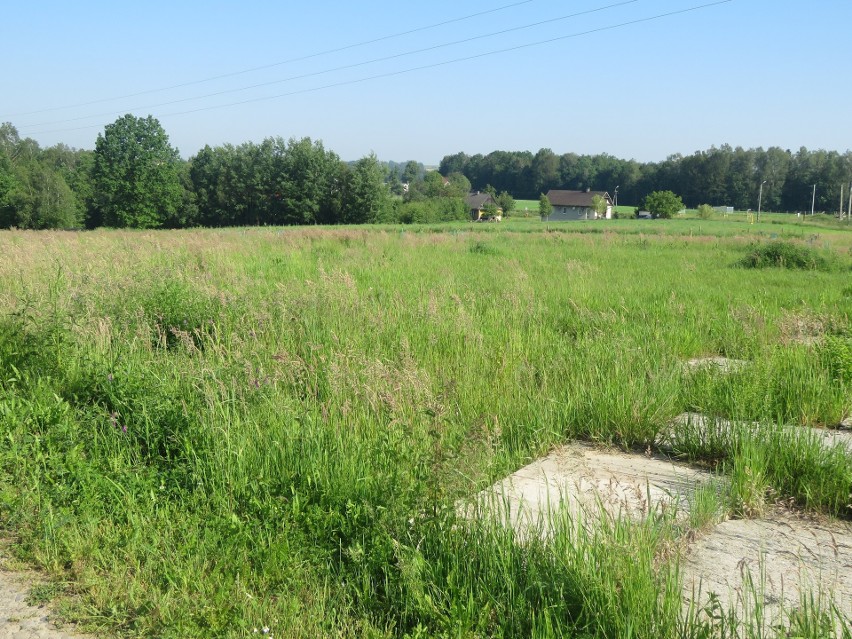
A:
(18, 619)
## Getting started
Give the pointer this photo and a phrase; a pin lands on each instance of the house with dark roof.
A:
(476, 203)
(577, 205)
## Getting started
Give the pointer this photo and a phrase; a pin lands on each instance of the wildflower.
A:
(124, 428)
(109, 377)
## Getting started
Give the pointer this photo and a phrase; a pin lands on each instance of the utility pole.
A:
(849, 210)
(759, 199)
(840, 210)
(813, 200)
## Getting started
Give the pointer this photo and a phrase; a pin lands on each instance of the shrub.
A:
(439, 209)
(836, 354)
(705, 211)
(662, 204)
(785, 255)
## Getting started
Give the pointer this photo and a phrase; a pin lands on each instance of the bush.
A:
(705, 211)
(836, 354)
(440, 209)
(785, 255)
(662, 204)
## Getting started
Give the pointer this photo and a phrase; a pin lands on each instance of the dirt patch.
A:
(587, 481)
(802, 328)
(19, 619)
(784, 556)
(716, 363)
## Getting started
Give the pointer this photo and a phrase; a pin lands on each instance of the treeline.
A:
(723, 176)
(135, 178)
(42, 188)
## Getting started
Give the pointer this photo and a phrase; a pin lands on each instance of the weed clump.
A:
(786, 255)
(836, 354)
(482, 248)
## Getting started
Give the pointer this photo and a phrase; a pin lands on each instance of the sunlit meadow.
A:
(210, 432)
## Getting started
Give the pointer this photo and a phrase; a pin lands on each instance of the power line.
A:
(339, 68)
(428, 66)
(276, 64)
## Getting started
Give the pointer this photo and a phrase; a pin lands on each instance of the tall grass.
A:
(207, 432)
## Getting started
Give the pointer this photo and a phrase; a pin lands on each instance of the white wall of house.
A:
(560, 213)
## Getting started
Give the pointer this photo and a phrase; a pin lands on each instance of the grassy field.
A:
(207, 432)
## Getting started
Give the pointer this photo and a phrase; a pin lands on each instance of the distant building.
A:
(577, 205)
(476, 203)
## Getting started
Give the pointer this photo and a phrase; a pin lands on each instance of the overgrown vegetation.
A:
(213, 431)
(788, 255)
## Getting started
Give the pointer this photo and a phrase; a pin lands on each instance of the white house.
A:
(577, 205)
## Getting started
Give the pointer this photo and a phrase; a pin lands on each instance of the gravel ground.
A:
(18, 619)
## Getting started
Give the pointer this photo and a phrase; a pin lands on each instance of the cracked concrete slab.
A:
(585, 480)
(783, 556)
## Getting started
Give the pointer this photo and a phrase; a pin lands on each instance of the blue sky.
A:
(746, 72)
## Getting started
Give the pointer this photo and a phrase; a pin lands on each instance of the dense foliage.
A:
(135, 178)
(723, 176)
(784, 254)
(662, 204)
(40, 189)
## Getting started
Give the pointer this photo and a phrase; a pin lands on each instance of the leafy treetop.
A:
(663, 204)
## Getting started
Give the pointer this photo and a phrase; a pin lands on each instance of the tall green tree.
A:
(8, 186)
(367, 197)
(663, 204)
(545, 208)
(135, 174)
(458, 186)
(506, 202)
(43, 200)
(544, 170)
(411, 171)
(304, 182)
(599, 204)
(34, 184)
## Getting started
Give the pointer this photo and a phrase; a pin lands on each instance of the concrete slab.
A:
(708, 429)
(589, 482)
(715, 363)
(782, 555)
